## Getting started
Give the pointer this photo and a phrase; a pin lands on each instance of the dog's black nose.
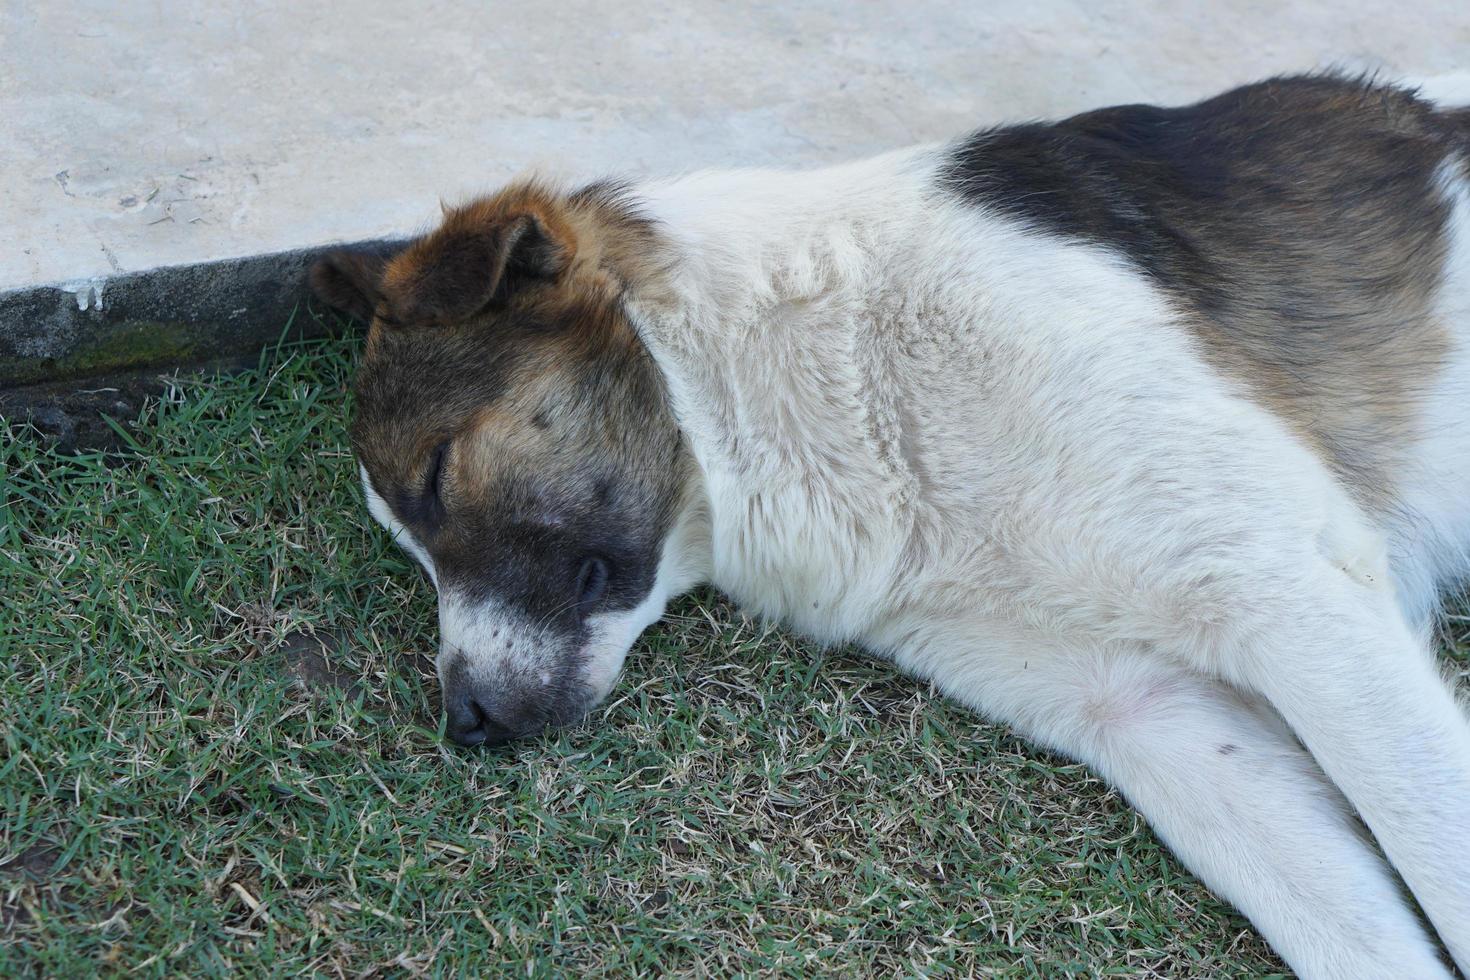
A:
(469, 724)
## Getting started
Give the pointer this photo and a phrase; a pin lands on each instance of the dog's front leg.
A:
(1218, 776)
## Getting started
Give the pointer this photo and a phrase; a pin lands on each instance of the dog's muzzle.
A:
(505, 705)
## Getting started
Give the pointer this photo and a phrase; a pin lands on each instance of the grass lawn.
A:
(219, 749)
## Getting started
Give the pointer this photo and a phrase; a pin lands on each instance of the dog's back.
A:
(1314, 229)
(1309, 235)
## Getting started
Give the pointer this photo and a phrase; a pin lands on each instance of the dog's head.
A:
(513, 434)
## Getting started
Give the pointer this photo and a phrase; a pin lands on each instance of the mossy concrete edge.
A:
(173, 316)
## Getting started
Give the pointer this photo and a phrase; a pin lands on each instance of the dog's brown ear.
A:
(349, 280)
(475, 261)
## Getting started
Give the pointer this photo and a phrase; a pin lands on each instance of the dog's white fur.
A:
(1169, 582)
(1001, 459)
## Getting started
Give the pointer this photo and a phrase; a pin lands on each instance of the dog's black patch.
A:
(1197, 195)
(1298, 221)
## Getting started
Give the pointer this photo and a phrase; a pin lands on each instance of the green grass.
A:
(175, 799)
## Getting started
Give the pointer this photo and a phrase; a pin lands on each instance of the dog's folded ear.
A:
(473, 262)
(482, 256)
(349, 280)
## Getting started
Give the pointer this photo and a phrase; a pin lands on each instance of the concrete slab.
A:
(137, 135)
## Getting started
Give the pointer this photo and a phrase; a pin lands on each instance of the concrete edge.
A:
(172, 316)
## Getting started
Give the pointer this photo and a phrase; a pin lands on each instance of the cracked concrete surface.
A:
(138, 135)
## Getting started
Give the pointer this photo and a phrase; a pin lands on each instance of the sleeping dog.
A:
(1146, 432)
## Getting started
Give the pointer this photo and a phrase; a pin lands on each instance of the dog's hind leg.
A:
(1221, 780)
(1347, 674)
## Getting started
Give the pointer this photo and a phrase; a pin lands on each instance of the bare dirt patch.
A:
(32, 866)
(35, 861)
(309, 662)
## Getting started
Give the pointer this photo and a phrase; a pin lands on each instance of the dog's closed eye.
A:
(433, 484)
